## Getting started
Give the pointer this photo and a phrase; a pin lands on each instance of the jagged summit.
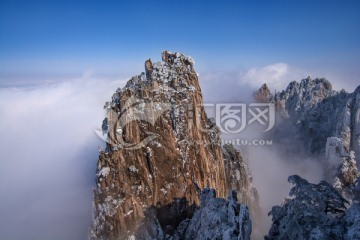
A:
(298, 97)
(263, 95)
(161, 148)
(165, 73)
(326, 123)
(301, 96)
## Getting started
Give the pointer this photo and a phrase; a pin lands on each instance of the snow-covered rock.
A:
(352, 222)
(238, 176)
(322, 124)
(216, 218)
(318, 122)
(219, 219)
(315, 211)
(161, 146)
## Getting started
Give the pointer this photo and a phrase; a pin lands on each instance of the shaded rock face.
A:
(163, 222)
(318, 112)
(298, 98)
(216, 218)
(308, 108)
(316, 211)
(325, 123)
(238, 177)
(161, 148)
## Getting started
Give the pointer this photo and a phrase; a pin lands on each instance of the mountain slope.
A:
(161, 148)
(316, 121)
(321, 122)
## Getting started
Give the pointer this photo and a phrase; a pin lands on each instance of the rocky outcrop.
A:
(165, 222)
(348, 126)
(161, 148)
(325, 123)
(263, 95)
(315, 211)
(318, 112)
(216, 218)
(238, 177)
(340, 167)
(298, 98)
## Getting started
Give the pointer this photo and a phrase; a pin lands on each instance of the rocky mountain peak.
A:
(263, 94)
(325, 124)
(161, 149)
(299, 97)
(316, 112)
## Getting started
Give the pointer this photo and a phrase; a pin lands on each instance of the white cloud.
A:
(276, 76)
(238, 85)
(48, 158)
(49, 149)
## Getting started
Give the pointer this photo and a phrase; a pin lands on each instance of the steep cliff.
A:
(318, 112)
(323, 122)
(263, 94)
(161, 147)
(315, 211)
(216, 218)
(238, 177)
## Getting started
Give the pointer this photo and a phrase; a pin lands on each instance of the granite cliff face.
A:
(238, 177)
(324, 124)
(162, 150)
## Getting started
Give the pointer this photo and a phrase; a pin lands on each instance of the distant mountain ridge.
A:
(326, 123)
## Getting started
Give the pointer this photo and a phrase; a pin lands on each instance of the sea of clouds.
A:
(48, 149)
(48, 157)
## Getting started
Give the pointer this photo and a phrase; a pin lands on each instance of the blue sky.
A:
(50, 39)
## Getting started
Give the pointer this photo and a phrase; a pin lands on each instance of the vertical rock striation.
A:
(161, 148)
(238, 177)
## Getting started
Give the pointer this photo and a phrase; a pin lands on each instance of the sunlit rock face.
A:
(263, 95)
(161, 148)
